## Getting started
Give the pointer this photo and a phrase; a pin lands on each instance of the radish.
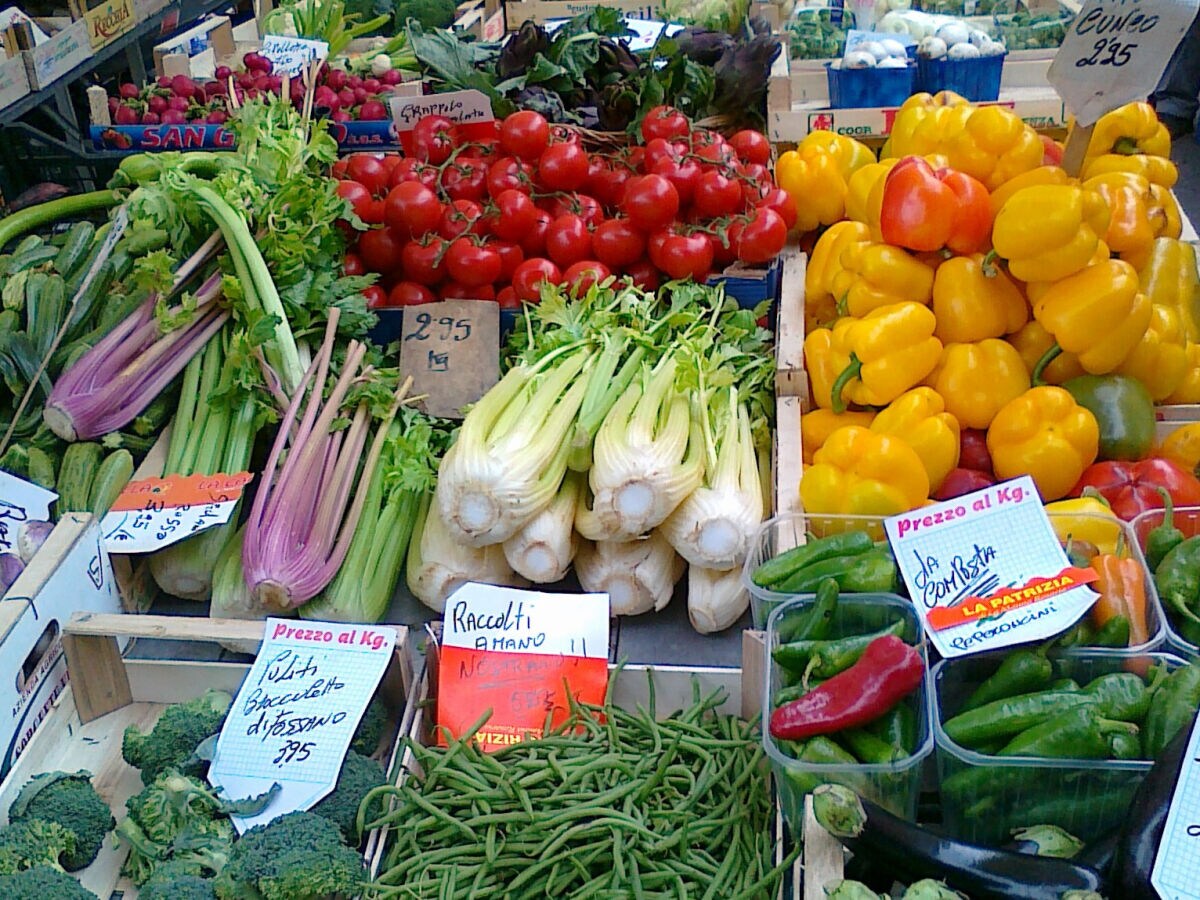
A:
(179, 104)
(353, 82)
(157, 103)
(346, 97)
(327, 97)
(183, 86)
(256, 62)
(217, 89)
(113, 103)
(341, 115)
(173, 117)
(216, 117)
(125, 115)
(129, 91)
(392, 77)
(372, 111)
(245, 81)
(149, 117)
(360, 95)
(336, 80)
(274, 84)
(222, 73)
(164, 81)
(372, 85)
(297, 92)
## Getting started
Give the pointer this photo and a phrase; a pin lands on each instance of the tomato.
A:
(408, 293)
(357, 196)
(422, 260)
(515, 215)
(434, 139)
(338, 170)
(762, 237)
(412, 208)
(717, 153)
(682, 173)
(452, 290)
(508, 299)
(461, 217)
(534, 243)
(587, 208)
(751, 147)
(465, 179)
(511, 256)
(375, 296)
(685, 256)
(507, 174)
(606, 182)
(724, 250)
(472, 264)
(525, 134)
(664, 122)
(486, 150)
(643, 274)
(660, 149)
(369, 172)
(781, 201)
(389, 161)
(380, 249)
(651, 202)
(617, 243)
(716, 195)
(567, 240)
(412, 169)
(584, 274)
(563, 167)
(529, 275)
(352, 264)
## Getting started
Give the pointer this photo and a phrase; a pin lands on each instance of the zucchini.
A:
(41, 468)
(29, 243)
(79, 466)
(112, 476)
(35, 283)
(81, 315)
(75, 249)
(44, 313)
(76, 279)
(27, 360)
(30, 258)
(122, 264)
(12, 295)
(10, 321)
(15, 461)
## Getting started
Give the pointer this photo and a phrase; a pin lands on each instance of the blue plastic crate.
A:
(862, 88)
(750, 291)
(976, 79)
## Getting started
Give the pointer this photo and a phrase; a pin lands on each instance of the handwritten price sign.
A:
(156, 512)
(20, 501)
(1176, 873)
(1116, 52)
(450, 350)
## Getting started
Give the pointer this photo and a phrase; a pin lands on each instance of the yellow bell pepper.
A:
(1155, 169)
(1032, 342)
(851, 155)
(1182, 446)
(1188, 390)
(1164, 200)
(1035, 289)
(1159, 361)
(973, 300)
(862, 200)
(862, 472)
(1044, 433)
(924, 122)
(994, 145)
(976, 380)
(1098, 313)
(1050, 231)
(824, 361)
(1087, 519)
(1133, 224)
(824, 264)
(890, 350)
(1169, 278)
(818, 425)
(814, 181)
(919, 417)
(875, 275)
(1042, 175)
(1129, 129)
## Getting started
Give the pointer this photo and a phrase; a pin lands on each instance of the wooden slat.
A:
(824, 861)
(790, 380)
(165, 628)
(789, 456)
(101, 684)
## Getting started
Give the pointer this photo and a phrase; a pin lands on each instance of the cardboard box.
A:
(195, 52)
(482, 19)
(67, 47)
(106, 20)
(542, 11)
(14, 80)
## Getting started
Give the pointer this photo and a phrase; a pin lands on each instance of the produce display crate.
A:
(109, 692)
(14, 80)
(66, 48)
(107, 20)
(1187, 518)
(542, 11)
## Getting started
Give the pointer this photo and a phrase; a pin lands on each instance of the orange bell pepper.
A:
(924, 209)
(1122, 590)
(818, 425)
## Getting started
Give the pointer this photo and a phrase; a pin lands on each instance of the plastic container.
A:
(865, 88)
(893, 785)
(751, 289)
(784, 532)
(976, 79)
(1086, 797)
(1187, 519)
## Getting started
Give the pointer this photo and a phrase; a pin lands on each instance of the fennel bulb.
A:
(544, 546)
(511, 452)
(639, 576)
(714, 525)
(232, 597)
(715, 599)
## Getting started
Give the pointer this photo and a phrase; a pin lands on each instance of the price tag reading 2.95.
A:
(450, 350)
(445, 328)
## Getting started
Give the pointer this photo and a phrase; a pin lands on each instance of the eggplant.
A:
(1143, 827)
(1099, 853)
(912, 853)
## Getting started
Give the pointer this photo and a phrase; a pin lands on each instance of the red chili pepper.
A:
(887, 672)
(1132, 487)
(927, 209)
(973, 451)
(962, 481)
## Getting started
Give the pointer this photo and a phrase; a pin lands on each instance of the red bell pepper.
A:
(962, 481)
(928, 209)
(973, 451)
(887, 672)
(1132, 487)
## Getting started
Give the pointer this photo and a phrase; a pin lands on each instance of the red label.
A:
(180, 490)
(972, 609)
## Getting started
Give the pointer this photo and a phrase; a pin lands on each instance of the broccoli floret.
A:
(430, 13)
(144, 854)
(42, 883)
(178, 880)
(370, 729)
(299, 856)
(358, 776)
(69, 800)
(32, 842)
(173, 740)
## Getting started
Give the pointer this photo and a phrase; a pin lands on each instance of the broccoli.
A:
(178, 880)
(31, 843)
(69, 800)
(430, 13)
(358, 776)
(172, 742)
(299, 856)
(42, 883)
(144, 854)
(370, 729)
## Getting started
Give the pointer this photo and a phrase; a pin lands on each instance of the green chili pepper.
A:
(785, 565)
(1124, 746)
(869, 748)
(1021, 672)
(1089, 819)
(1011, 716)
(1081, 634)
(863, 573)
(834, 656)
(1177, 578)
(1113, 633)
(1189, 631)
(1063, 684)
(1171, 708)
(1079, 733)
(898, 726)
(1166, 537)
(1121, 695)
(820, 751)
(813, 623)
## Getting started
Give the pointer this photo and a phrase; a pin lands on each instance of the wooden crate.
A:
(542, 11)
(109, 692)
(790, 380)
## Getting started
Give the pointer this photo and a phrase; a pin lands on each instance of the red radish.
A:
(217, 89)
(216, 117)
(129, 91)
(164, 81)
(179, 104)
(275, 83)
(113, 103)
(183, 86)
(360, 95)
(173, 117)
(346, 96)
(372, 85)
(372, 111)
(296, 90)
(327, 97)
(336, 79)
(222, 73)
(341, 115)
(391, 77)
(245, 81)
(256, 62)
(125, 115)
(353, 81)
(262, 82)
(150, 118)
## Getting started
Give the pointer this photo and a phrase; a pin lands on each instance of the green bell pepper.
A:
(1124, 410)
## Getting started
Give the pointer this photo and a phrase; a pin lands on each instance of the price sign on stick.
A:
(1176, 872)
(451, 351)
(986, 570)
(516, 652)
(20, 501)
(1116, 52)
(293, 719)
(290, 55)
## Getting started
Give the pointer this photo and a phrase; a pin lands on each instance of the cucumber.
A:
(112, 476)
(10, 321)
(75, 476)
(15, 461)
(76, 279)
(44, 314)
(12, 295)
(82, 314)
(34, 284)
(25, 356)
(75, 249)
(30, 258)
(41, 468)
(31, 242)
(122, 264)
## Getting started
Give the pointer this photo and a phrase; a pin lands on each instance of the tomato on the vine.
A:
(472, 264)
(606, 181)
(423, 260)
(508, 299)
(434, 139)
(352, 264)
(375, 296)
(452, 290)
(509, 174)
(643, 274)
(357, 196)
(568, 240)
(368, 171)
(408, 293)
(525, 134)
(412, 169)
(781, 201)
(461, 217)
(465, 179)
(762, 237)
(511, 256)
(563, 167)
(651, 202)
(685, 256)
(751, 146)
(682, 173)
(412, 208)
(515, 215)
(617, 243)
(534, 243)
(338, 170)
(583, 274)
(717, 195)
(380, 249)
(659, 149)
(529, 275)
(587, 208)
(664, 122)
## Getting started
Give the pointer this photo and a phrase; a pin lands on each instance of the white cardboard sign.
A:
(487, 617)
(20, 501)
(290, 55)
(1176, 872)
